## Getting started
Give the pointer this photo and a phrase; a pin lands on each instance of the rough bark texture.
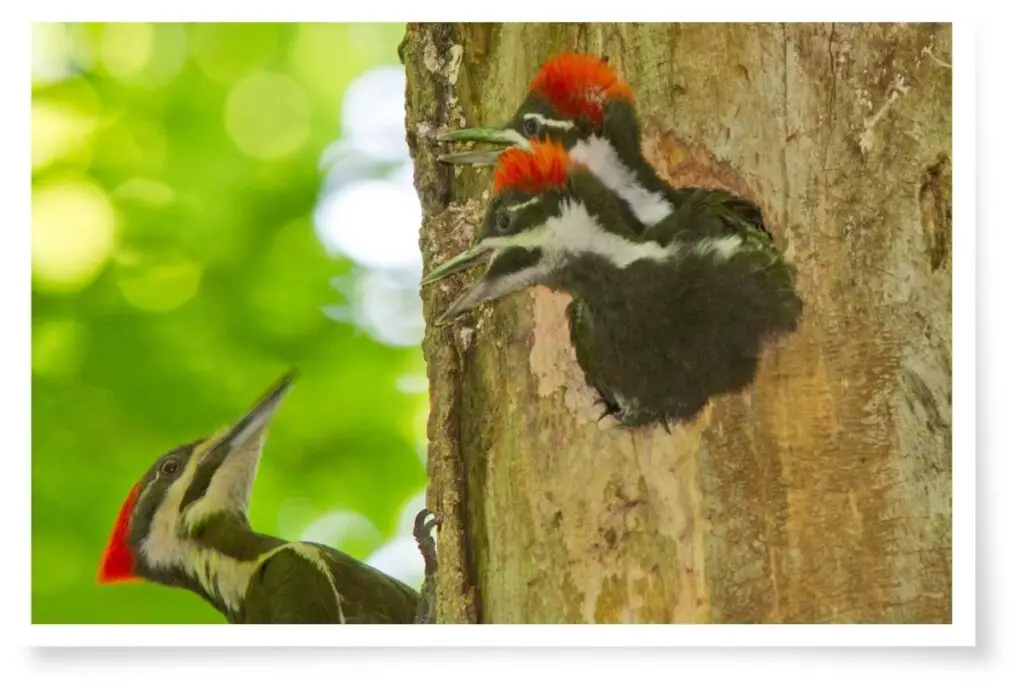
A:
(823, 492)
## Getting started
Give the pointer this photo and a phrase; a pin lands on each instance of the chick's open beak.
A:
(513, 264)
(458, 263)
(505, 137)
(476, 254)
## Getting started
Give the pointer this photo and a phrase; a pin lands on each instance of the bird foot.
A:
(425, 611)
(623, 419)
(421, 532)
(610, 408)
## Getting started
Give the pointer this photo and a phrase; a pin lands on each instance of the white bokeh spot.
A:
(373, 114)
(374, 222)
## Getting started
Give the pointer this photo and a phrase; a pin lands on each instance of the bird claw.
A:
(421, 532)
(623, 421)
(425, 611)
(610, 408)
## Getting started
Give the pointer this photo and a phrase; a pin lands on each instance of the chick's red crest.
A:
(119, 558)
(545, 165)
(579, 85)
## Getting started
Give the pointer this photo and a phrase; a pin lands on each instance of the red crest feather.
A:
(545, 165)
(579, 85)
(119, 559)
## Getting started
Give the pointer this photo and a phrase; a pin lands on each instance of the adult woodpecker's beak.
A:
(226, 470)
(505, 137)
(256, 420)
(511, 267)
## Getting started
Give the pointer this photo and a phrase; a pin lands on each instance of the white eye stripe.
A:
(550, 123)
(512, 208)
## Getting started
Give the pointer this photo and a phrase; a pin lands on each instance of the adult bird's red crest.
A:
(579, 85)
(119, 558)
(544, 166)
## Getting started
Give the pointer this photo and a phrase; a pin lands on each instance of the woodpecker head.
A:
(567, 101)
(549, 222)
(153, 537)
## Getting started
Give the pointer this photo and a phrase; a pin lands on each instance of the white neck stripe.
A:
(601, 159)
(573, 232)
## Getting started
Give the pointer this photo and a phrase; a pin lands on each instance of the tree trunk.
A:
(820, 494)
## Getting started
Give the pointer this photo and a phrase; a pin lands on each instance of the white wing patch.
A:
(316, 558)
(601, 159)
(724, 247)
(228, 578)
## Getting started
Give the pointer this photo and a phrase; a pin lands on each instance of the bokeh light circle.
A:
(268, 115)
(73, 230)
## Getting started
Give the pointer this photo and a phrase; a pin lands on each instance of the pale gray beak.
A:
(226, 472)
(498, 281)
(476, 295)
(505, 137)
(458, 263)
(257, 419)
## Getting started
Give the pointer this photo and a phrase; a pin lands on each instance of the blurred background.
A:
(211, 205)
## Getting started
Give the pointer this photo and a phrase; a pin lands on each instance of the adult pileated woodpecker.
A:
(185, 524)
(579, 101)
(660, 322)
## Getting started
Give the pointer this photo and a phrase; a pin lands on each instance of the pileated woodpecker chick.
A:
(579, 101)
(660, 322)
(185, 524)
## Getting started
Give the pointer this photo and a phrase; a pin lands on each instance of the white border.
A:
(489, 635)
(961, 632)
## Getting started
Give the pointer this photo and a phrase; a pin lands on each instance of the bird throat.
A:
(218, 560)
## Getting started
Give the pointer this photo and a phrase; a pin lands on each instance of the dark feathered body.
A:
(676, 291)
(666, 314)
(658, 339)
(282, 582)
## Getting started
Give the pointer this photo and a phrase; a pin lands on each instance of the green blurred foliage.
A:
(177, 274)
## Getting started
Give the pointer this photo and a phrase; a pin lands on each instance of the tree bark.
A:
(820, 494)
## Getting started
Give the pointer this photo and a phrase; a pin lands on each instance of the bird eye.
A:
(504, 221)
(531, 127)
(169, 467)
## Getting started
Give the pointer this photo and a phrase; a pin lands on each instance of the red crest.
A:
(119, 559)
(545, 165)
(579, 85)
